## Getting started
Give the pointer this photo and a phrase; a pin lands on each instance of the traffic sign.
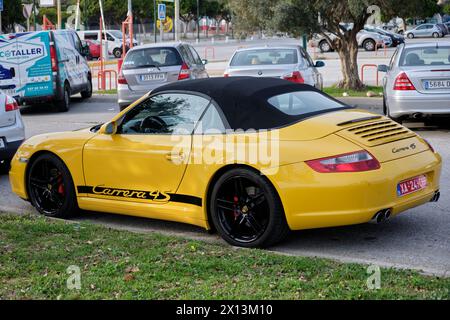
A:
(161, 11)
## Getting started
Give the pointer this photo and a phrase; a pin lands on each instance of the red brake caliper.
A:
(60, 186)
(235, 211)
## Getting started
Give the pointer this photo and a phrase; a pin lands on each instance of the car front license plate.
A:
(412, 185)
(152, 77)
(436, 84)
(2, 144)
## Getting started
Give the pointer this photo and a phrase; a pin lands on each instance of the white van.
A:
(114, 38)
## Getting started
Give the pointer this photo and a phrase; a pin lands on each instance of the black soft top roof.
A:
(244, 100)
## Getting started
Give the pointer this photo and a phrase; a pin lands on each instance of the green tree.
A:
(12, 13)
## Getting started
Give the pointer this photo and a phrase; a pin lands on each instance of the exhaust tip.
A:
(436, 197)
(381, 216)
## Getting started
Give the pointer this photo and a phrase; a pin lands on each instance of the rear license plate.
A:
(412, 185)
(2, 144)
(9, 92)
(436, 84)
(152, 77)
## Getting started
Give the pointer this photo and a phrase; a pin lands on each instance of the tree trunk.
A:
(348, 54)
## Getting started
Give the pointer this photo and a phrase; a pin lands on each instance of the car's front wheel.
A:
(411, 35)
(246, 210)
(117, 52)
(435, 35)
(324, 46)
(369, 45)
(50, 187)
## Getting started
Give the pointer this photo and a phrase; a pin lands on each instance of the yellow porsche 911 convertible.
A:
(250, 158)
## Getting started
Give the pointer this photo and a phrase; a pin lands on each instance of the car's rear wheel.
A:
(388, 114)
(50, 187)
(324, 46)
(246, 210)
(88, 92)
(369, 45)
(117, 52)
(435, 35)
(64, 104)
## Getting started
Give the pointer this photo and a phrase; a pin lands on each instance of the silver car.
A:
(148, 67)
(12, 132)
(291, 63)
(417, 81)
(425, 30)
(369, 41)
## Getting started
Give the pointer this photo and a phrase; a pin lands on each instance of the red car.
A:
(94, 49)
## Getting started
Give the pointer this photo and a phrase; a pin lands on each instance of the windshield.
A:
(116, 34)
(304, 102)
(265, 57)
(425, 56)
(152, 57)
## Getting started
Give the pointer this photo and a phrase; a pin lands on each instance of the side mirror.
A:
(383, 68)
(109, 128)
(84, 49)
(204, 61)
(319, 64)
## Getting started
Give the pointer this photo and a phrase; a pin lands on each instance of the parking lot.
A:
(417, 239)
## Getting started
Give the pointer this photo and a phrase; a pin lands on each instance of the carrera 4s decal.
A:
(153, 196)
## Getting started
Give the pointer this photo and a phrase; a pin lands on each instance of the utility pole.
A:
(177, 19)
(154, 20)
(198, 20)
(58, 12)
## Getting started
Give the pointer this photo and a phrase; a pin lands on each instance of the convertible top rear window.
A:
(303, 102)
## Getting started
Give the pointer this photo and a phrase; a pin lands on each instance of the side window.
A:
(391, 64)
(170, 113)
(307, 57)
(77, 41)
(90, 36)
(195, 55)
(187, 56)
(211, 122)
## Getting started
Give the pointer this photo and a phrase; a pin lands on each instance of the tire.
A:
(435, 35)
(324, 46)
(50, 187)
(411, 35)
(88, 92)
(369, 45)
(117, 52)
(388, 114)
(4, 166)
(253, 215)
(64, 104)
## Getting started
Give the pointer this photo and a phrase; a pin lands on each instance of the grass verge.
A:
(338, 92)
(36, 252)
(112, 91)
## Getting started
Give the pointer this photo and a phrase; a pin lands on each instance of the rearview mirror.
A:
(205, 61)
(319, 64)
(109, 128)
(383, 68)
(84, 48)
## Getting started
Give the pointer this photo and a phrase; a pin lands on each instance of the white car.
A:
(12, 130)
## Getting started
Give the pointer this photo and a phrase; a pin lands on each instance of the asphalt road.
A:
(418, 239)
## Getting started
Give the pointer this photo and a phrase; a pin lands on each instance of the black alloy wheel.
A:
(246, 210)
(50, 187)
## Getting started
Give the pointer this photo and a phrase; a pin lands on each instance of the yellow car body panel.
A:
(136, 174)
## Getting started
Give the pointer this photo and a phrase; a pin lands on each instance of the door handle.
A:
(177, 157)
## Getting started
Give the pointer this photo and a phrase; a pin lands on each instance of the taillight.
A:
(54, 58)
(295, 77)
(185, 73)
(121, 78)
(403, 83)
(11, 105)
(350, 162)
(429, 145)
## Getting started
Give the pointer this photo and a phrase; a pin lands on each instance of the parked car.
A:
(148, 67)
(396, 39)
(369, 41)
(44, 66)
(114, 40)
(291, 63)
(425, 30)
(94, 49)
(12, 132)
(417, 81)
(444, 28)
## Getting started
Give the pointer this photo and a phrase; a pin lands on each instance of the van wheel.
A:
(64, 104)
(117, 52)
(88, 92)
